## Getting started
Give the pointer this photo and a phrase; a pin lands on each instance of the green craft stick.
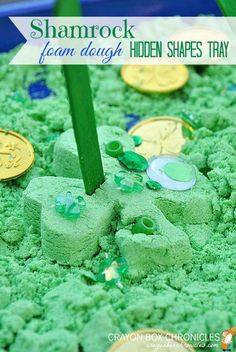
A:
(228, 7)
(81, 105)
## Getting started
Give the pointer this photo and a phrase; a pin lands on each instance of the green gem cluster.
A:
(111, 271)
(71, 208)
(128, 180)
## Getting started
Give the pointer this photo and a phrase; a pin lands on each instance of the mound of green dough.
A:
(44, 305)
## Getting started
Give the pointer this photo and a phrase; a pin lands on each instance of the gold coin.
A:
(155, 78)
(151, 340)
(16, 155)
(160, 135)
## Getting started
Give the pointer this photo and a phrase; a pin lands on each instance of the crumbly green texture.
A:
(45, 306)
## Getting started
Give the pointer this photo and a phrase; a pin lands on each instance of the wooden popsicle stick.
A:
(228, 7)
(81, 106)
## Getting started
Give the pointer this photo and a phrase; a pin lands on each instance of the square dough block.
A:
(67, 241)
(169, 246)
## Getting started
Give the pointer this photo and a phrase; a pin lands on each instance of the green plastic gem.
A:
(129, 182)
(187, 132)
(112, 271)
(70, 207)
(190, 119)
(114, 148)
(137, 140)
(133, 161)
(145, 225)
(153, 185)
(178, 171)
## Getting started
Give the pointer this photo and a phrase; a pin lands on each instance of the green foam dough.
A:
(194, 298)
(71, 242)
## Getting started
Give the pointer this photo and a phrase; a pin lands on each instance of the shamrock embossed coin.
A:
(161, 135)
